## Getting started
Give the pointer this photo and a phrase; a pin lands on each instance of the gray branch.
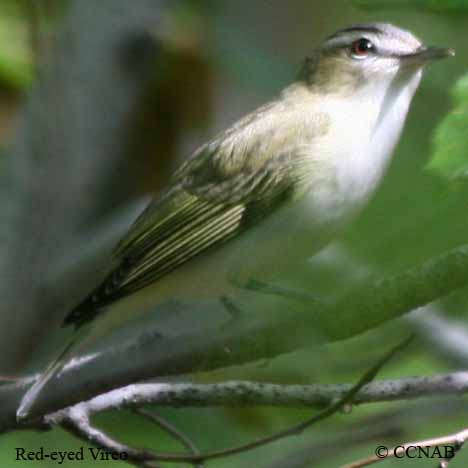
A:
(245, 394)
(251, 337)
(76, 419)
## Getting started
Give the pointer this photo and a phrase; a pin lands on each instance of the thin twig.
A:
(457, 439)
(457, 446)
(391, 424)
(170, 429)
(76, 420)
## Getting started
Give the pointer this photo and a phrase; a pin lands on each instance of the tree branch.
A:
(247, 394)
(251, 337)
(76, 420)
(172, 431)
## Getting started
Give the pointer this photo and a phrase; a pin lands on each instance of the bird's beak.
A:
(427, 55)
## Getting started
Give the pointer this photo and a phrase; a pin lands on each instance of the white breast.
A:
(358, 148)
(346, 166)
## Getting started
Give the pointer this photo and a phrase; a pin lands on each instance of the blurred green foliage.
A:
(440, 6)
(257, 47)
(450, 157)
(16, 62)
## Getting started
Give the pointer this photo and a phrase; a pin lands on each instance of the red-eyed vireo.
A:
(275, 187)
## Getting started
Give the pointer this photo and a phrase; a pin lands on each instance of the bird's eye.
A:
(362, 48)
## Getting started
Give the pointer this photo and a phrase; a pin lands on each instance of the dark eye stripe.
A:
(366, 29)
(353, 29)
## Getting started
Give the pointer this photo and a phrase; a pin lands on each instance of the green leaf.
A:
(450, 157)
(16, 65)
(15, 72)
(440, 6)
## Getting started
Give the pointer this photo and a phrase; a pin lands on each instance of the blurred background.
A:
(100, 100)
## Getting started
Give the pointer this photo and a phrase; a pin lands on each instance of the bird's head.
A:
(364, 55)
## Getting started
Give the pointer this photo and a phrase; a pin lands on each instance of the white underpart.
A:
(359, 147)
(346, 166)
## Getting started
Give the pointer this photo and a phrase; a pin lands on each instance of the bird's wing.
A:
(218, 193)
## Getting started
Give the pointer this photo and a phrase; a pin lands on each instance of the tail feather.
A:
(31, 396)
(82, 313)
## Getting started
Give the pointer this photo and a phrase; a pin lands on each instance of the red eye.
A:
(361, 48)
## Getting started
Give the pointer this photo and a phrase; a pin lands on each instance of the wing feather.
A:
(215, 195)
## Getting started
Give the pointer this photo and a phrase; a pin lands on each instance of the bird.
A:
(274, 188)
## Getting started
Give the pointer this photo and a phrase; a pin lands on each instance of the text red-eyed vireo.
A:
(275, 187)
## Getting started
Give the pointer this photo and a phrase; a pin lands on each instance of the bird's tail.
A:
(53, 369)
